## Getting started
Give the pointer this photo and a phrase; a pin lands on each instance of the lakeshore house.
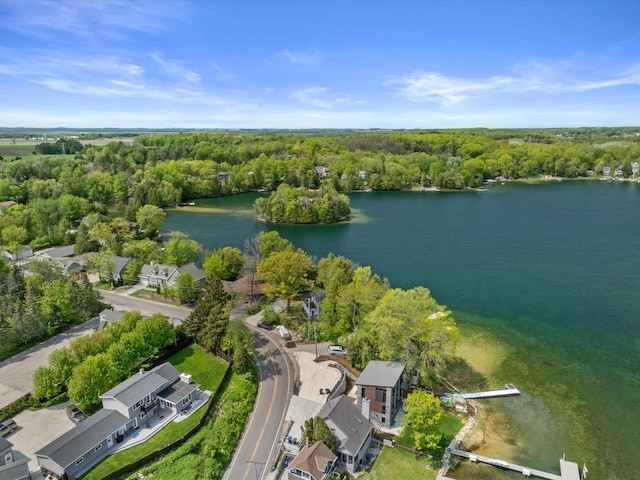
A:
(160, 275)
(353, 431)
(311, 304)
(321, 172)
(315, 462)
(160, 392)
(380, 390)
(13, 465)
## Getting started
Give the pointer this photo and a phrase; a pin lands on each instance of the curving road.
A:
(253, 456)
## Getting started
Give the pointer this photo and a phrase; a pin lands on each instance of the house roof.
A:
(61, 252)
(119, 263)
(350, 427)
(70, 446)
(5, 444)
(177, 391)
(193, 270)
(157, 270)
(137, 386)
(381, 374)
(314, 460)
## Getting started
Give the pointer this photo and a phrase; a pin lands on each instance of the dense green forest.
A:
(54, 192)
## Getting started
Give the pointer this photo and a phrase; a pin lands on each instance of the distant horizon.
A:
(24, 130)
(319, 64)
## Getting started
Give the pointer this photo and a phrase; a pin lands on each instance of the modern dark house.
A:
(381, 384)
(161, 392)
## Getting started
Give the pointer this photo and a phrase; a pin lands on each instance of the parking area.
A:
(36, 429)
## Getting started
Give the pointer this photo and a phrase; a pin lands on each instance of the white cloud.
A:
(300, 58)
(318, 97)
(176, 69)
(90, 19)
(436, 87)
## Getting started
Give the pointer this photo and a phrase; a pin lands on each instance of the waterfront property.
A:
(144, 397)
(380, 390)
(352, 430)
(315, 462)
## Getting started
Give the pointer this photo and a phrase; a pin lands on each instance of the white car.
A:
(337, 350)
(284, 333)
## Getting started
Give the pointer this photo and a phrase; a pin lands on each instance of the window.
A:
(362, 393)
(383, 420)
(79, 461)
(138, 404)
(381, 395)
(142, 414)
(147, 399)
(97, 447)
(384, 409)
(185, 400)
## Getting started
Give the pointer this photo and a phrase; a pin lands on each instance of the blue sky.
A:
(312, 64)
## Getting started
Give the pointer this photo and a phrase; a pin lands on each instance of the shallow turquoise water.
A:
(549, 270)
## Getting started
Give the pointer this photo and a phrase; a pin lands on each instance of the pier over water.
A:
(568, 470)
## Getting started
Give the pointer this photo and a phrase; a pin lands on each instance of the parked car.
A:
(266, 325)
(337, 350)
(7, 427)
(284, 333)
(75, 414)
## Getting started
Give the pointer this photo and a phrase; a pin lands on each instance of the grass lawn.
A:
(396, 464)
(449, 428)
(206, 369)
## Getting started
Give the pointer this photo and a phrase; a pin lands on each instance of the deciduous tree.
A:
(286, 274)
(423, 413)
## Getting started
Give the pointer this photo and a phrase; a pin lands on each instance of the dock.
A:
(508, 390)
(568, 470)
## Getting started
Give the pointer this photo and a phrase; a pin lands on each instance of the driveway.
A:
(37, 429)
(16, 373)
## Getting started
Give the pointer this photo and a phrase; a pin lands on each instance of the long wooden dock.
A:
(508, 390)
(568, 470)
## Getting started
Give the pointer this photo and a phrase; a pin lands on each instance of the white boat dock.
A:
(508, 390)
(568, 470)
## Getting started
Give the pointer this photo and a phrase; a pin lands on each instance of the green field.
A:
(206, 369)
(396, 464)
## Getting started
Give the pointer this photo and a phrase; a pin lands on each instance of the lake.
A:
(543, 280)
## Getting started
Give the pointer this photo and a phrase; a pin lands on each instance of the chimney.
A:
(366, 408)
(185, 377)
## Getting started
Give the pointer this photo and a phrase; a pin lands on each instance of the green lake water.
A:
(544, 283)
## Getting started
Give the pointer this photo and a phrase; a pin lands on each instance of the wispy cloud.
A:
(319, 97)
(300, 58)
(176, 69)
(436, 87)
(90, 19)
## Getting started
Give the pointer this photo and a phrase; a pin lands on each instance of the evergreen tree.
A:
(207, 322)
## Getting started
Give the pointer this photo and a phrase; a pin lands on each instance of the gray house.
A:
(159, 275)
(381, 384)
(58, 252)
(107, 316)
(315, 462)
(352, 430)
(161, 392)
(13, 465)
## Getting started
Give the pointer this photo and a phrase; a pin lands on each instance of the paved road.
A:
(123, 301)
(16, 373)
(253, 456)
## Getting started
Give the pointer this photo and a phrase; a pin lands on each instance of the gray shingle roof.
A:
(157, 270)
(5, 444)
(381, 374)
(61, 252)
(71, 445)
(137, 386)
(193, 270)
(350, 427)
(119, 263)
(177, 391)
